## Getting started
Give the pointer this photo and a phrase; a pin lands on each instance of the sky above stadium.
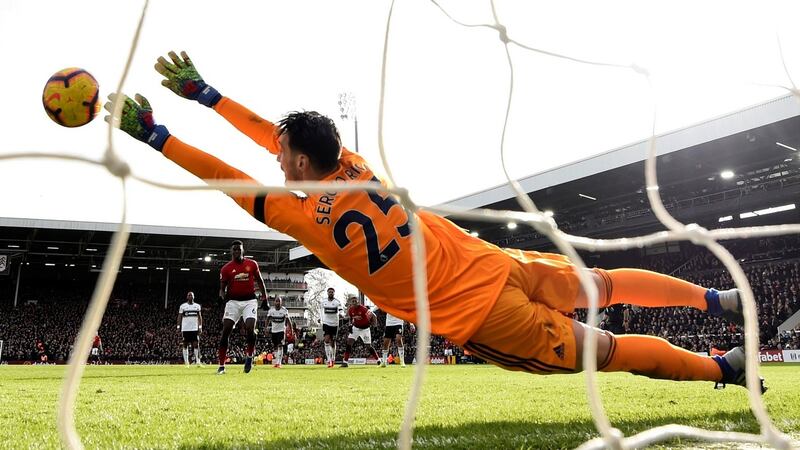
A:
(445, 93)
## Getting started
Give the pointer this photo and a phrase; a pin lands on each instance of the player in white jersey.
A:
(278, 316)
(190, 323)
(394, 331)
(331, 308)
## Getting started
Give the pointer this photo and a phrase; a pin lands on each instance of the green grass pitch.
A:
(463, 407)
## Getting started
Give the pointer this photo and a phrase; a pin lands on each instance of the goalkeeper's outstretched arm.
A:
(208, 167)
(182, 78)
(261, 131)
(137, 120)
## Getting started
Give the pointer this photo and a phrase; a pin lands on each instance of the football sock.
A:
(251, 344)
(654, 357)
(223, 354)
(385, 355)
(328, 352)
(197, 355)
(185, 355)
(650, 289)
(278, 357)
(346, 356)
(401, 354)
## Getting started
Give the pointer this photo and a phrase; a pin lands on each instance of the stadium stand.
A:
(137, 328)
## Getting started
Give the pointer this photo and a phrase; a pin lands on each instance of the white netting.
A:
(610, 437)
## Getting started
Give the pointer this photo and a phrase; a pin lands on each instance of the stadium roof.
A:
(85, 243)
(604, 196)
(767, 120)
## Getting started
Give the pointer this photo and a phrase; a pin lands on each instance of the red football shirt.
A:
(241, 279)
(360, 316)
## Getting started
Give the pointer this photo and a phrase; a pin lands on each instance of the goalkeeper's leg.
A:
(527, 330)
(552, 279)
(522, 335)
(650, 356)
(656, 358)
(652, 289)
(530, 337)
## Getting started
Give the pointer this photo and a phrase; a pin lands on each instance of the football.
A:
(70, 97)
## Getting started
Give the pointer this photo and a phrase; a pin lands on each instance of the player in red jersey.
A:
(503, 305)
(237, 281)
(291, 338)
(361, 318)
(97, 349)
(41, 350)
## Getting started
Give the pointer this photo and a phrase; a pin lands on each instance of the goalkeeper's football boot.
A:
(382, 363)
(733, 369)
(725, 304)
(221, 370)
(248, 364)
(343, 364)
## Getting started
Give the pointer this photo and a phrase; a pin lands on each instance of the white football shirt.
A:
(190, 313)
(330, 312)
(277, 319)
(393, 321)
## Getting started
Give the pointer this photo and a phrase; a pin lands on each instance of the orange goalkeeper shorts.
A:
(527, 329)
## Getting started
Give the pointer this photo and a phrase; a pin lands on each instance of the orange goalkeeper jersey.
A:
(365, 237)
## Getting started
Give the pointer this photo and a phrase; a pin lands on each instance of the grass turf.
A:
(463, 407)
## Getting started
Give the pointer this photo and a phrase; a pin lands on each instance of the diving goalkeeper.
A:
(506, 306)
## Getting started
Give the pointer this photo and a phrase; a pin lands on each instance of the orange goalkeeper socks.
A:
(656, 358)
(650, 289)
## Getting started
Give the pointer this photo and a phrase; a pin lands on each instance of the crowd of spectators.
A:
(775, 283)
(138, 329)
(788, 340)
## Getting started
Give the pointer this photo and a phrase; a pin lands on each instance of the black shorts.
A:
(392, 331)
(330, 330)
(277, 339)
(190, 336)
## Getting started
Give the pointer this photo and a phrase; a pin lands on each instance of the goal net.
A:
(518, 90)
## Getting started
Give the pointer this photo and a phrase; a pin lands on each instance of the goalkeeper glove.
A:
(137, 120)
(182, 78)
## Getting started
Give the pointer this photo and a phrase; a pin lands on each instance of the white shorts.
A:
(364, 334)
(236, 309)
(95, 351)
(289, 348)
